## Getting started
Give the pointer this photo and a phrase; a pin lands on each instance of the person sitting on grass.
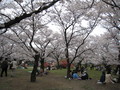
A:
(102, 78)
(75, 75)
(109, 78)
(46, 72)
(40, 72)
(85, 76)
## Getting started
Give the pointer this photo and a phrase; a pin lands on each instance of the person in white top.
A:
(13, 68)
(14, 64)
(109, 78)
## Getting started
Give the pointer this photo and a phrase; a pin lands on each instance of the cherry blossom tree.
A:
(19, 10)
(111, 19)
(57, 47)
(70, 18)
(6, 48)
(33, 37)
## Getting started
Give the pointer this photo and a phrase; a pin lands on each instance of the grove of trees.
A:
(27, 31)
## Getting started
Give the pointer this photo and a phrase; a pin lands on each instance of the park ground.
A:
(53, 81)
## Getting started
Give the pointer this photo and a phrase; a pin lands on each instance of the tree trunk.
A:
(68, 61)
(78, 67)
(119, 56)
(58, 64)
(33, 74)
(119, 66)
(68, 71)
(80, 64)
(119, 74)
(42, 64)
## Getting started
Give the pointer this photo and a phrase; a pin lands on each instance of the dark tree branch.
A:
(92, 3)
(24, 16)
(4, 31)
(81, 54)
(20, 6)
(113, 4)
(32, 37)
(5, 16)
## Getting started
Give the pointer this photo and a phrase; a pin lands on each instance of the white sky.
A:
(98, 31)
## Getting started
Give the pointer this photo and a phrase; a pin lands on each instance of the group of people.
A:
(81, 76)
(5, 64)
(106, 78)
(41, 72)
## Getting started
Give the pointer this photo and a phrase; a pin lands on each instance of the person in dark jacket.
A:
(102, 78)
(4, 67)
(85, 76)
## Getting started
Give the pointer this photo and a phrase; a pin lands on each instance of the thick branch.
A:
(113, 4)
(25, 15)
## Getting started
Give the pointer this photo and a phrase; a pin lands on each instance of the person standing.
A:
(4, 66)
(13, 68)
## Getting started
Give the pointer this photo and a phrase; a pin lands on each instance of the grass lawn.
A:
(53, 81)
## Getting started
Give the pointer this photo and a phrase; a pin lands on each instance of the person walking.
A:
(4, 67)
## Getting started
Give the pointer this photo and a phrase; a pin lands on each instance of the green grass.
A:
(94, 74)
(53, 81)
(59, 72)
